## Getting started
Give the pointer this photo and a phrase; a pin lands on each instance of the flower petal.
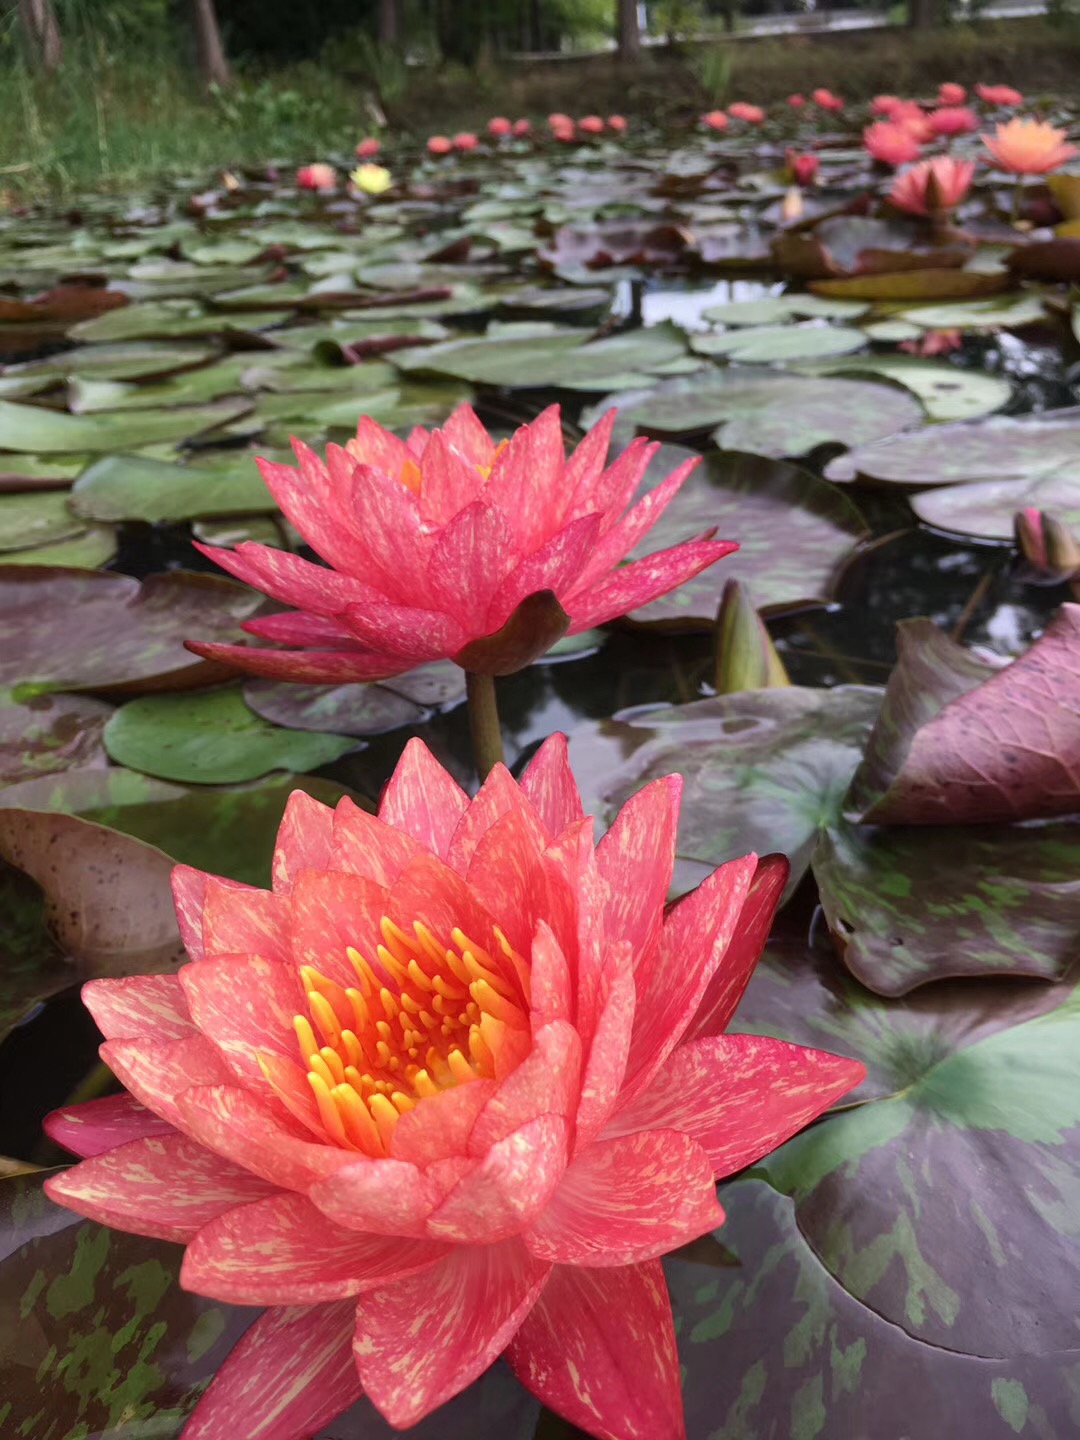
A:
(585, 465)
(738, 1096)
(545, 1083)
(257, 1135)
(422, 800)
(635, 524)
(304, 840)
(245, 922)
(598, 1348)
(281, 1251)
(610, 1046)
(306, 495)
(630, 586)
(290, 1374)
(551, 995)
(613, 489)
(100, 1125)
(556, 566)
(421, 1341)
(289, 578)
(396, 545)
(525, 481)
(245, 1005)
(507, 874)
(497, 796)
(629, 1199)
(157, 1072)
(731, 975)
(693, 943)
(548, 783)
(148, 1007)
(165, 1186)
(450, 479)
(332, 911)
(314, 667)
(364, 846)
(188, 892)
(472, 556)
(383, 1197)
(406, 631)
(636, 857)
(506, 1190)
(439, 1127)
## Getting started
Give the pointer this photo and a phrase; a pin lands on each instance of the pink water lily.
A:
(447, 1092)
(450, 545)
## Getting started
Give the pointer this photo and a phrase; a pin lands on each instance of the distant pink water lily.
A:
(368, 148)
(715, 120)
(953, 120)
(439, 145)
(826, 100)
(449, 1091)
(950, 93)
(521, 127)
(891, 144)
(999, 95)
(316, 177)
(933, 186)
(499, 126)
(743, 110)
(802, 167)
(452, 546)
(796, 101)
(591, 125)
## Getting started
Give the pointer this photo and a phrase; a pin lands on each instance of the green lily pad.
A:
(47, 733)
(986, 509)
(39, 518)
(753, 499)
(767, 343)
(362, 709)
(149, 360)
(64, 629)
(775, 309)
(995, 312)
(212, 739)
(165, 319)
(763, 770)
(51, 432)
(126, 487)
(91, 548)
(946, 391)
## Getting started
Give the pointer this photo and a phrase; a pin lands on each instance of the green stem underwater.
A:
(483, 722)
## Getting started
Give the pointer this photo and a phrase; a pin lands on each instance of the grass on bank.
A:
(116, 119)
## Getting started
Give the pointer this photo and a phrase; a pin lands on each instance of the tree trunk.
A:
(213, 66)
(626, 29)
(42, 33)
(389, 28)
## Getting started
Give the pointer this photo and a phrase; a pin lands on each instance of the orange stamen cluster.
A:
(423, 1018)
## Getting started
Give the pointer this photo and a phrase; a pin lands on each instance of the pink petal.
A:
(508, 1188)
(188, 892)
(287, 1095)
(610, 1048)
(507, 874)
(730, 978)
(305, 495)
(236, 1124)
(158, 1071)
(428, 890)
(631, 586)
(304, 840)
(472, 556)
(636, 857)
(364, 846)
(694, 941)
(407, 631)
(314, 667)
(242, 922)
(545, 1083)
(586, 464)
(739, 1096)
(468, 436)
(497, 796)
(551, 993)
(555, 566)
(439, 1127)
(290, 579)
(150, 1007)
(420, 1342)
(549, 784)
(290, 1375)
(614, 488)
(450, 480)
(635, 524)
(380, 448)
(245, 1005)
(578, 896)
(100, 1125)
(396, 546)
(166, 1186)
(384, 1197)
(422, 799)
(301, 627)
(526, 481)
(281, 1251)
(332, 911)
(598, 1348)
(629, 1199)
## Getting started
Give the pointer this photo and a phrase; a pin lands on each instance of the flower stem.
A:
(483, 722)
(1018, 195)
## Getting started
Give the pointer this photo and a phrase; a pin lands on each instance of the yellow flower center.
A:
(409, 474)
(426, 1017)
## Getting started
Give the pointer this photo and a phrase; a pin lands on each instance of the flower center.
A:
(410, 477)
(423, 1017)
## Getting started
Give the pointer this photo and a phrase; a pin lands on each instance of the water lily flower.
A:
(316, 177)
(742, 110)
(885, 104)
(450, 545)
(796, 101)
(826, 100)
(953, 120)
(448, 1091)
(911, 115)
(499, 126)
(933, 186)
(565, 134)
(891, 144)
(372, 179)
(368, 148)
(715, 120)
(617, 124)
(522, 127)
(1048, 546)
(591, 125)
(558, 121)
(803, 167)
(1028, 147)
(464, 141)
(999, 94)
(951, 94)
(933, 342)
(439, 145)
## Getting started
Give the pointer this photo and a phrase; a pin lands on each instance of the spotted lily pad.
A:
(763, 770)
(948, 392)
(212, 739)
(753, 499)
(46, 733)
(987, 509)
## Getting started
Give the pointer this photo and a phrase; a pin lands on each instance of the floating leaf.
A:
(40, 518)
(914, 285)
(128, 487)
(754, 499)
(51, 432)
(767, 343)
(999, 312)
(212, 739)
(987, 509)
(46, 733)
(946, 391)
(362, 709)
(763, 770)
(773, 309)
